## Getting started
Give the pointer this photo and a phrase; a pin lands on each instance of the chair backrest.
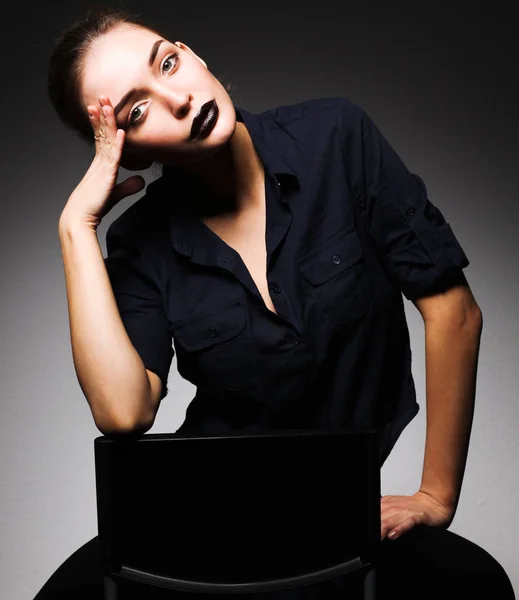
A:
(238, 514)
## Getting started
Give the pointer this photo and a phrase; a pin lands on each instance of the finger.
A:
(93, 113)
(405, 526)
(92, 117)
(116, 135)
(393, 511)
(106, 131)
(129, 186)
(392, 499)
(104, 128)
(112, 137)
(95, 121)
(391, 519)
(102, 103)
(132, 185)
(109, 139)
(388, 523)
(108, 115)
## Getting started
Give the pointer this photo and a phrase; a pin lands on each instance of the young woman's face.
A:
(157, 118)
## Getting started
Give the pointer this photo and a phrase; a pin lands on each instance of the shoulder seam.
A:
(305, 109)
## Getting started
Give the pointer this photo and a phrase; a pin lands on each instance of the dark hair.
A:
(67, 61)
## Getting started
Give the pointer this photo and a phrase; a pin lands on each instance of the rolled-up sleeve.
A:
(414, 242)
(139, 301)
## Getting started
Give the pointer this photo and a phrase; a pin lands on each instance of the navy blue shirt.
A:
(350, 231)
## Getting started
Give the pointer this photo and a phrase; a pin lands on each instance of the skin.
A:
(224, 163)
(453, 325)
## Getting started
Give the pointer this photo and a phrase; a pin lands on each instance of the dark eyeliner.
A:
(175, 55)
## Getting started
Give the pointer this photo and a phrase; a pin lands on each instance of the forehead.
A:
(115, 61)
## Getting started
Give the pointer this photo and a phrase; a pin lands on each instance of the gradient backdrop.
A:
(440, 82)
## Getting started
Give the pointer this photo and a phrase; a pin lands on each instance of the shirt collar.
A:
(263, 129)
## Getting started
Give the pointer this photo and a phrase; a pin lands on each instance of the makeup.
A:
(204, 121)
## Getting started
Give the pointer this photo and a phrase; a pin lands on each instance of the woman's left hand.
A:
(399, 514)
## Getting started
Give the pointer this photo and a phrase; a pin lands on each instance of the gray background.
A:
(441, 83)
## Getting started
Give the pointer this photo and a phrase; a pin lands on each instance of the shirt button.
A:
(213, 333)
(276, 288)
(336, 259)
(410, 212)
(295, 339)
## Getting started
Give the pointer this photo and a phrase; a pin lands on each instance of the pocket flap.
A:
(211, 327)
(332, 257)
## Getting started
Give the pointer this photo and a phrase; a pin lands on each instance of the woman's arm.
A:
(453, 325)
(109, 369)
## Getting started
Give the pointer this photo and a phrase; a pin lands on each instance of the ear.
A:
(132, 163)
(186, 48)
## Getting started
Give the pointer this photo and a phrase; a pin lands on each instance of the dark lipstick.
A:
(205, 120)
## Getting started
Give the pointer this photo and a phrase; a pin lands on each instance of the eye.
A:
(131, 120)
(174, 56)
(168, 60)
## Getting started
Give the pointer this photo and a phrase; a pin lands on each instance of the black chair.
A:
(238, 514)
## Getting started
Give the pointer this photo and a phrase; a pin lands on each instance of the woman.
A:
(274, 252)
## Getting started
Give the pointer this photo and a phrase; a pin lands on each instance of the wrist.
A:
(447, 498)
(70, 225)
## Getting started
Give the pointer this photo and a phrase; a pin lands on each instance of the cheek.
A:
(160, 130)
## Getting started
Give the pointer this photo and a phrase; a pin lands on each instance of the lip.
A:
(204, 121)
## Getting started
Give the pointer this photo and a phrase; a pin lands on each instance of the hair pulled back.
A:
(67, 62)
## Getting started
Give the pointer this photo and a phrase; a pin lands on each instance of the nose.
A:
(177, 102)
(181, 107)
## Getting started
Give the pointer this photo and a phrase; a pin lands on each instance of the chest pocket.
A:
(334, 280)
(214, 347)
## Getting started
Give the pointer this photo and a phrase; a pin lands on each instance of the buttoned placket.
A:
(204, 247)
(279, 219)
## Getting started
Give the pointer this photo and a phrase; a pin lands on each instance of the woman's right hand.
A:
(97, 193)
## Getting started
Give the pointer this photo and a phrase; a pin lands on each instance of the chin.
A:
(218, 139)
(224, 128)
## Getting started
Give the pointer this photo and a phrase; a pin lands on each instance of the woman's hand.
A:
(399, 514)
(97, 193)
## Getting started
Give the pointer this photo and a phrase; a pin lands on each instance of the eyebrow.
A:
(128, 95)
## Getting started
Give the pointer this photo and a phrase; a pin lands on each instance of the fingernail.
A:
(392, 534)
(89, 111)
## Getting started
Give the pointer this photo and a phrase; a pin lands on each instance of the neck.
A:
(226, 183)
